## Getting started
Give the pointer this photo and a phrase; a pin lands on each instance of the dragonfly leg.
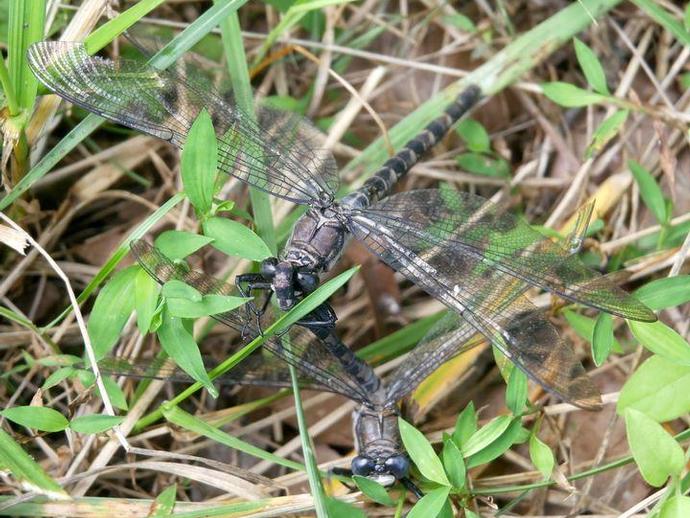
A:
(412, 487)
(320, 321)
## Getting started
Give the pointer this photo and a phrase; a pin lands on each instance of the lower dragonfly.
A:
(326, 364)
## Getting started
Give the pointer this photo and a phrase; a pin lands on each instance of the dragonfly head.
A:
(384, 471)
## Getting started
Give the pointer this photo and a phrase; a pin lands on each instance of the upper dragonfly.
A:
(472, 255)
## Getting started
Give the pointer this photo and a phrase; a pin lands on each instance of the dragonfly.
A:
(324, 363)
(476, 257)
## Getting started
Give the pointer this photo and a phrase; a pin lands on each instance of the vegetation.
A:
(586, 102)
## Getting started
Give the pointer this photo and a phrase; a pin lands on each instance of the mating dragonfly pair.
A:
(473, 256)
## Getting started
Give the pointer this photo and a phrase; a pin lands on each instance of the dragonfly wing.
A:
(277, 153)
(474, 229)
(309, 354)
(485, 301)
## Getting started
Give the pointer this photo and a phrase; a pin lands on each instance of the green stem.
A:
(8, 88)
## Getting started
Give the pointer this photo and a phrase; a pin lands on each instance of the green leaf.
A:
(37, 417)
(591, 67)
(422, 453)
(665, 293)
(541, 455)
(495, 449)
(165, 503)
(95, 423)
(454, 463)
(146, 291)
(176, 289)
(111, 310)
(658, 388)
(484, 165)
(602, 338)
(516, 391)
(57, 376)
(199, 164)
(571, 96)
(676, 507)
(465, 425)
(460, 21)
(233, 238)
(474, 135)
(26, 470)
(177, 244)
(180, 345)
(662, 340)
(339, 509)
(487, 434)
(650, 192)
(430, 504)
(373, 490)
(608, 129)
(668, 20)
(584, 327)
(470, 514)
(656, 453)
(209, 305)
(117, 397)
(686, 17)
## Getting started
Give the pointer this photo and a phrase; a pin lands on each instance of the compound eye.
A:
(398, 466)
(308, 281)
(362, 466)
(268, 266)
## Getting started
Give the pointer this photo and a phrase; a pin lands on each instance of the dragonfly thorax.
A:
(317, 240)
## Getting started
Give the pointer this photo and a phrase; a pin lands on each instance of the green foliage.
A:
(373, 490)
(146, 291)
(498, 445)
(175, 288)
(431, 504)
(591, 67)
(650, 192)
(111, 310)
(177, 244)
(233, 238)
(659, 388)
(664, 18)
(656, 453)
(571, 96)
(465, 425)
(541, 455)
(199, 164)
(37, 417)
(584, 327)
(516, 391)
(481, 159)
(208, 305)
(662, 340)
(602, 338)
(95, 423)
(422, 453)
(607, 130)
(675, 507)
(339, 509)
(486, 435)
(165, 503)
(665, 293)
(475, 136)
(454, 463)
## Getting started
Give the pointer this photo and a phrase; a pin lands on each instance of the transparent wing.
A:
(482, 235)
(485, 301)
(310, 355)
(277, 153)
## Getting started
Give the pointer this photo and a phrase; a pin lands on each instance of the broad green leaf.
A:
(659, 388)
(486, 435)
(37, 417)
(571, 96)
(665, 18)
(475, 136)
(513, 434)
(676, 507)
(454, 463)
(233, 238)
(146, 291)
(665, 293)
(199, 164)
(176, 289)
(57, 376)
(26, 470)
(177, 244)
(446, 511)
(591, 67)
(608, 129)
(650, 192)
(339, 509)
(584, 327)
(516, 391)
(373, 490)
(115, 394)
(111, 310)
(602, 338)
(541, 455)
(662, 340)
(422, 453)
(430, 504)
(165, 503)
(460, 21)
(208, 305)
(95, 423)
(180, 345)
(484, 165)
(465, 425)
(657, 454)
